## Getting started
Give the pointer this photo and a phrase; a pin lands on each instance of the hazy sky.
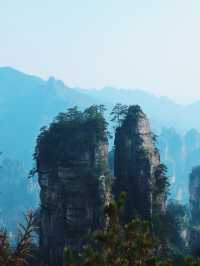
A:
(148, 44)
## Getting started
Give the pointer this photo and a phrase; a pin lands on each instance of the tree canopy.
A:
(83, 130)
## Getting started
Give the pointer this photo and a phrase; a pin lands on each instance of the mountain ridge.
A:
(30, 102)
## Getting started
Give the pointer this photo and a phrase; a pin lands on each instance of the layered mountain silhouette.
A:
(28, 102)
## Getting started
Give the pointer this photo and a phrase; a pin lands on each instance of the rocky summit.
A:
(74, 185)
(137, 169)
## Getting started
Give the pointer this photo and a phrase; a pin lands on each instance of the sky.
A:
(136, 44)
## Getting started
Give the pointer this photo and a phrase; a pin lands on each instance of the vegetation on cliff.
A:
(137, 165)
(132, 244)
(22, 253)
(70, 134)
(71, 142)
(73, 174)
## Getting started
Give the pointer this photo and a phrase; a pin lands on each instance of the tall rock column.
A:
(194, 203)
(138, 170)
(74, 178)
(194, 193)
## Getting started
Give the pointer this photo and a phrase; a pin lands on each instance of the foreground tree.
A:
(22, 253)
(118, 244)
(133, 244)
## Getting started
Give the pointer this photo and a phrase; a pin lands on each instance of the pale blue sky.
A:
(148, 44)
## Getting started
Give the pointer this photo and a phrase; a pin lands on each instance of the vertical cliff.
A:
(194, 196)
(180, 153)
(194, 193)
(138, 170)
(71, 158)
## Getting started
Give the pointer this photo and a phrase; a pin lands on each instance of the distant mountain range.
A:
(162, 111)
(28, 102)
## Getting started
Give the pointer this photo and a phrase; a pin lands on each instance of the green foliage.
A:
(161, 180)
(169, 228)
(68, 257)
(143, 154)
(121, 245)
(132, 116)
(20, 255)
(189, 261)
(137, 243)
(132, 244)
(118, 113)
(154, 138)
(83, 130)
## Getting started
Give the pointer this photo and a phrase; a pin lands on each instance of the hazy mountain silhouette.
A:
(163, 112)
(28, 102)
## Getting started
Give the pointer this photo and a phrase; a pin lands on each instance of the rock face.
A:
(137, 169)
(72, 165)
(180, 153)
(74, 191)
(194, 194)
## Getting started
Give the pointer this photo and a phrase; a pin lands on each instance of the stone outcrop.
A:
(72, 165)
(194, 202)
(194, 193)
(74, 192)
(137, 169)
